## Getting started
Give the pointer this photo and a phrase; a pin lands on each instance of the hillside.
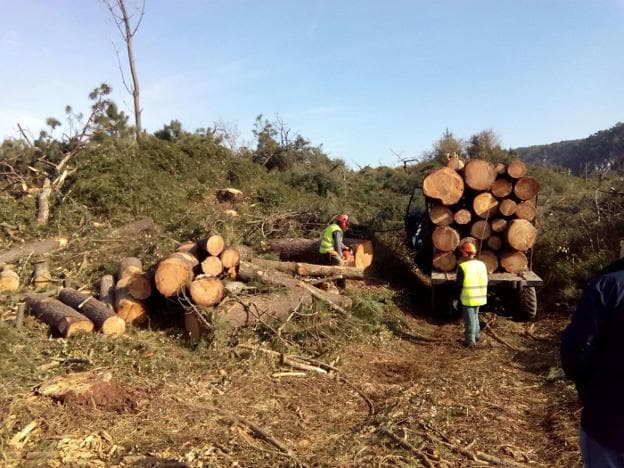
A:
(594, 154)
(387, 383)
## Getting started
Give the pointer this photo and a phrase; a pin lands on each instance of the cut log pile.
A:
(493, 206)
(204, 278)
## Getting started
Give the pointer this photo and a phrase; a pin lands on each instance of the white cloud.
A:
(9, 38)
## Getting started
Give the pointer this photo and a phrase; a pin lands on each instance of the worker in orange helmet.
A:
(472, 278)
(332, 248)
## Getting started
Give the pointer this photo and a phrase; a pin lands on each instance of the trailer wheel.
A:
(526, 308)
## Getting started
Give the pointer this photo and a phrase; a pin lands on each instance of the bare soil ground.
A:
(407, 393)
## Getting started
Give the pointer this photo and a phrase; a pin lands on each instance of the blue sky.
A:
(362, 78)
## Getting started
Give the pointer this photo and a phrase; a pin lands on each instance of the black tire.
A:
(526, 307)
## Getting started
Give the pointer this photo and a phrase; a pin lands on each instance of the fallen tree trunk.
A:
(33, 248)
(135, 227)
(250, 272)
(250, 310)
(310, 269)
(104, 319)
(485, 205)
(59, 316)
(307, 250)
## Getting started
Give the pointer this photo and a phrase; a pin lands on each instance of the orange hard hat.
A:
(468, 248)
(343, 219)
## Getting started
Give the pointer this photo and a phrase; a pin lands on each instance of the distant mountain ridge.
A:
(603, 148)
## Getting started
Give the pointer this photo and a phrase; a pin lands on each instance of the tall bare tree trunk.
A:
(123, 23)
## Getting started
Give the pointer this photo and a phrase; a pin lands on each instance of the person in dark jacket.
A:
(592, 356)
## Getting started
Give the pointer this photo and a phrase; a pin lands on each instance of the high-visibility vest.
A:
(474, 289)
(327, 238)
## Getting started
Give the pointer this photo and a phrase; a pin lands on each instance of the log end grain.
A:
(445, 185)
(113, 326)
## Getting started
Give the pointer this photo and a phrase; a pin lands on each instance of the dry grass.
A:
(435, 402)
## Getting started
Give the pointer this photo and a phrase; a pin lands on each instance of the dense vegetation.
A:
(102, 175)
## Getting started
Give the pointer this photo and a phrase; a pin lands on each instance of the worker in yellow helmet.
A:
(332, 248)
(472, 277)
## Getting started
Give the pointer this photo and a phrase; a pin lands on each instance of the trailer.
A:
(518, 291)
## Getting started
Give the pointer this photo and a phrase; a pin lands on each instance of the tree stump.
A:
(41, 273)
(131, 276)
(229, 195)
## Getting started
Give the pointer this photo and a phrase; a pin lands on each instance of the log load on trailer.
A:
(493, 206)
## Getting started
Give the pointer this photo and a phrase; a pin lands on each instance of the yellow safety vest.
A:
(327, 238)
(474, 289)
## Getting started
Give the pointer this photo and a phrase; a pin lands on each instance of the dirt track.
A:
(434, 403)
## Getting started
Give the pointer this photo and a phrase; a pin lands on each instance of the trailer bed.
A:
(528, 277)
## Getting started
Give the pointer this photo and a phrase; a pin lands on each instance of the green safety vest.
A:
(327, 238)
(474, 289)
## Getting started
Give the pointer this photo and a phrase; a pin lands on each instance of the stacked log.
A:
(495, 205)
(196, 272)
(104, 319)
(132, 288)
(60, 317)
